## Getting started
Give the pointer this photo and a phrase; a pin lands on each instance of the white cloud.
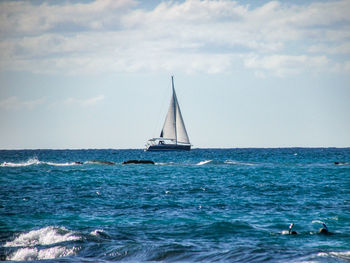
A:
(190, 36)
(13, 103)
(343, 48)
(84, 102)
(283, 65)
(23, 18)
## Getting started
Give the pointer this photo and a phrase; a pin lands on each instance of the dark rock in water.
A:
(102, 162)
(138, 162)
(78, 163)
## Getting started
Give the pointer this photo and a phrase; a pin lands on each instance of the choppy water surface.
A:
(205, 205)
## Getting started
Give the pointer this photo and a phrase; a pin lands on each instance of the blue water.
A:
(206, 205)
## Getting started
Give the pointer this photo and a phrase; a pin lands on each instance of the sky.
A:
(97, 74)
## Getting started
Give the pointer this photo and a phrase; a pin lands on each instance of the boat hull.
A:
(168, 147)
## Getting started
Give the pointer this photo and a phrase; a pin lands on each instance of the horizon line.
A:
(199, 148)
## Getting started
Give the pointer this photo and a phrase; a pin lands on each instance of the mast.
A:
(174, 103)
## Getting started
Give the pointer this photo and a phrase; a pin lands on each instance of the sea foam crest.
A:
(35, 161)
(317, 221)
(44, 236)
(99, 233)
(61, 164)
(27, 254)
(31, 161)
(237, 162)
(204, 162)
(169, 163)
(342, 254)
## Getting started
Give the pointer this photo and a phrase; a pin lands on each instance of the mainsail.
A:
(174, 126)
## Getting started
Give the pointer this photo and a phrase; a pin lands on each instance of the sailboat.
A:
(173, 136)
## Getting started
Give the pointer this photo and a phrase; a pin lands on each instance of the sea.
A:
(205, 205)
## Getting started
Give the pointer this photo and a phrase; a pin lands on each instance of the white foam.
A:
(44, 236)
(237, 163)
(160, 163)
(343, 255)
(204, 162)
(98, 232)
(317, 221)
(21, 164)
(170, 163)
(61, 164)
(333, 218)
(35, 161)
(27, 254)
(231, 162)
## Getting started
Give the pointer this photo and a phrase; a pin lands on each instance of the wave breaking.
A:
(30, 254)
(36, 161)
(41, 244)
(44, 236)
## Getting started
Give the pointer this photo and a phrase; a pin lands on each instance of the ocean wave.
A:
(317, 221)
(44, 236)
(31, 161)
(29, 254)
(99, 162)
(35, 161)
(35, 244)
(99, 233)
(204, 162)
(169, 163)
(227, 162)
(344, 255)
(222, 228)
(61, 164)
(238, 163)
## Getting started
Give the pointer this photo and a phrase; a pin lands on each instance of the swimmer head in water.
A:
(290, 230)
(324, 230)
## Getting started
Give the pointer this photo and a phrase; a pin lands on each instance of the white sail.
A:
(169, 127)
(174, 126)
(181, 132)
